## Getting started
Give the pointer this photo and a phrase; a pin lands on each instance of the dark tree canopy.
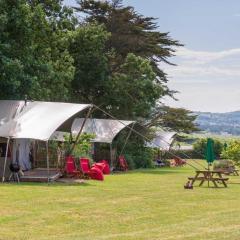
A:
(34, 57)
(131, 33)
(176, 119)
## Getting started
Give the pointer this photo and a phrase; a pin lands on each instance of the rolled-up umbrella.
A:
(210, 156)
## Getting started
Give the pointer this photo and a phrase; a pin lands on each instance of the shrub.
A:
(232, 151)
(222, 164)
(83, 146)
(130, 161)
(201, 145)
(135, 151)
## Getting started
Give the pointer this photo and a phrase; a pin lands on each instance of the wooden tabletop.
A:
(206, 171)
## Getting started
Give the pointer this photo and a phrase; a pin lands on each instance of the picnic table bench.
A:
(234, 172)
(209, 176)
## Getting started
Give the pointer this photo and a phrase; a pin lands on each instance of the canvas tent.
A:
(105, 130)
(39, 120)
(162, 140)
(9, 109)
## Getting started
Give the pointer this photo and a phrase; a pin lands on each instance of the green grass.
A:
(146, 204)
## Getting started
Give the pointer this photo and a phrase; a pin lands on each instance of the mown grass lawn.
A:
(146, 204)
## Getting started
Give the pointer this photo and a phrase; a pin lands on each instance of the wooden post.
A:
(81, 129)
(5, 160)
(48, 170)
(111, 158)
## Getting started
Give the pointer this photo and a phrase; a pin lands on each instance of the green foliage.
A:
(130, 33)
(223, 164)
(200, 147)
(176, 119)
(91, 63)
(133, 89)
(34, 59)
(131, 83)
(136, 154)
(139, 158)
(83, 146)
(232, 151)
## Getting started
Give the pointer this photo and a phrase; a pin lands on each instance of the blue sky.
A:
(208, 71)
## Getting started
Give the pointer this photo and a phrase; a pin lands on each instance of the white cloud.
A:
(205, 64)
(207, 81)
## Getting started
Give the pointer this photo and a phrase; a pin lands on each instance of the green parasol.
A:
(210, 156)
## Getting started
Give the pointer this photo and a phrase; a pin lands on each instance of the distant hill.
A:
(219, 123)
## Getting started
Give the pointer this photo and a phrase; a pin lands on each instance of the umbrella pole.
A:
(208, 174)
(5, 160)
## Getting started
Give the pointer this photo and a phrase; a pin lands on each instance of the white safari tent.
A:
(36, 120)
(9, 109)
(163, 140)
(104, 130)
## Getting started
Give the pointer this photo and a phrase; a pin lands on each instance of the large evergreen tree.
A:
(131, 33)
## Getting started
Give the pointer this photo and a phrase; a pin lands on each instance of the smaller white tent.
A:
(105, 130)
(162, 140)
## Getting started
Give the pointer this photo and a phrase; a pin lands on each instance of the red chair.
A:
(84, 164)
(96, 174)
(123, 163)
(99, 165)
(179, 162)
(106, 167)
(70, 167)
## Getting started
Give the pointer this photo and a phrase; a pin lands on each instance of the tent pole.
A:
(5, 160)
(111, 158)
(48, 171)
(129, 134)
(81, 129)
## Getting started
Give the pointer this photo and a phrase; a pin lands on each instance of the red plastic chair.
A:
(70, 167)
(106, 167)
(123, 163)
(96, 174)
(93, 172)
(179, 161)
(84, 166)
(99, 165)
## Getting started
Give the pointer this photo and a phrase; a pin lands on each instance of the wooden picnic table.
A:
(209, 176)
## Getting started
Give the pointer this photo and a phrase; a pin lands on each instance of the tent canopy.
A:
(9, 109)
(162, 140)
(39, 120)
(105, 130)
